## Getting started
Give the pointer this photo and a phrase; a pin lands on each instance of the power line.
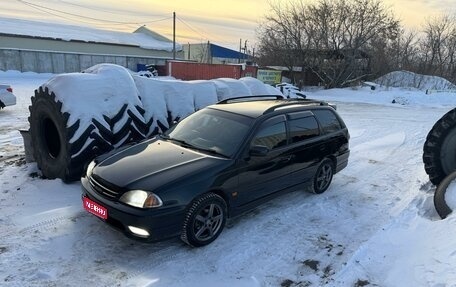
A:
(207, 37)
(109, 11)
(104, 22)
(47, 12)
(43, 9)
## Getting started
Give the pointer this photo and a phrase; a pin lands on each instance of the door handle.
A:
(286, 159)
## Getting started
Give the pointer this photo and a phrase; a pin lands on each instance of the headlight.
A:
(90, 168)
(141, 199)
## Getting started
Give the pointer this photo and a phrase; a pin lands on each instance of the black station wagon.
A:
(217, 163)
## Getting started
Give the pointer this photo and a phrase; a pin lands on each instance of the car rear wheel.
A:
(205, 220)
(323, 177)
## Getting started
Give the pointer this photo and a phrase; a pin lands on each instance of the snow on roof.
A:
(142, 37)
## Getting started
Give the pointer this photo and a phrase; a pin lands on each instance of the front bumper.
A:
(160, 223)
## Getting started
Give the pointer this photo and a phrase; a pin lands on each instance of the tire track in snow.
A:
(51, 222)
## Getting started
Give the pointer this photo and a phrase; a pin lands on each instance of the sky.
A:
(224, 22)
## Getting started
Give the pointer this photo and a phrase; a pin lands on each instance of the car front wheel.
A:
(205, 220)
(323, 177)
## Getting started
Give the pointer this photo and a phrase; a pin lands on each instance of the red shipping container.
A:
(198, 71)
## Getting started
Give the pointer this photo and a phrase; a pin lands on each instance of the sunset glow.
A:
(224, 21)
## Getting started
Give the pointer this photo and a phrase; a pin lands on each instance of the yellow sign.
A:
(271, 77)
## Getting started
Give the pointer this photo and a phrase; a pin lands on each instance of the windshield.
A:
(211, 130)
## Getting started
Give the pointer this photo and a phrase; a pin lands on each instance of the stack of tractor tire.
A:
(76, 117)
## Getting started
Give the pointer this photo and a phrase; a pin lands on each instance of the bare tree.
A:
(438, 46)
(282, 37)
(330, 37)
(399, 53)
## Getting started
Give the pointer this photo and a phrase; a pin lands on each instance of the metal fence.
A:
(58, 62)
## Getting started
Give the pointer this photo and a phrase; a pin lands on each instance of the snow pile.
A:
(406, 79)
(69, 33)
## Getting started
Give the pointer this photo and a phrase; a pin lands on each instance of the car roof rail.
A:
(295, 102)
(245, 98)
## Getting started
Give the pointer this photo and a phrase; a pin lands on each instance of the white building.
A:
(54, 48)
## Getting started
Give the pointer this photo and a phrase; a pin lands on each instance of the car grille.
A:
(103, 190)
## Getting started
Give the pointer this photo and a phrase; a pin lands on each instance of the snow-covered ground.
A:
(375, 226)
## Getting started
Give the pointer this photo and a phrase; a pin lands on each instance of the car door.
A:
(306, 145)
(261, 175)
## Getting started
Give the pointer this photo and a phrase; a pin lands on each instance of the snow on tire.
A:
(439, 154)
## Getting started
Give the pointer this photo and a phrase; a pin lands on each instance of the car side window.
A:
(303, 128)
(271, 134)
(328, 120)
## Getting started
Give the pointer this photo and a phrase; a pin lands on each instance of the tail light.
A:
(10, 89)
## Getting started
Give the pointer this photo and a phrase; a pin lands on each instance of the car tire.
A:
(439, 154)
(323, 176)
(53, 152)
(440, 204)
(204, 220)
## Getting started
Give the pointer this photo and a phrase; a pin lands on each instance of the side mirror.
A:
(259, 150)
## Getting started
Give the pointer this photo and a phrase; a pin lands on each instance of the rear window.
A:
(302, 129)
(328, 120)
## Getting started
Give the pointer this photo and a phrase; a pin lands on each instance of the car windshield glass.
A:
(212, 131)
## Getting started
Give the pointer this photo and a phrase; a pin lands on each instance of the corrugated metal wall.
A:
(57, 62)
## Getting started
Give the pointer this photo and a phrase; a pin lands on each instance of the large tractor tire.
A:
(62, 151)
(53, 152)
(439, 152)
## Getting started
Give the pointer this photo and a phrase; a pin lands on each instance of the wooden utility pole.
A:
(245, 51)
(240, 49)
(189, 48)
(174, 35)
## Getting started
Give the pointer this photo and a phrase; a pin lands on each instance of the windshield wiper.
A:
(211, 151)
(189, 145)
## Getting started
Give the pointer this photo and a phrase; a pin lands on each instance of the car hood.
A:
(152, 164)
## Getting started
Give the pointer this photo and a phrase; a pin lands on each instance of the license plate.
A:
(95, 208)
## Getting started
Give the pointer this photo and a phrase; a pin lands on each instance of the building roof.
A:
(142, 37)
(222, 52)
